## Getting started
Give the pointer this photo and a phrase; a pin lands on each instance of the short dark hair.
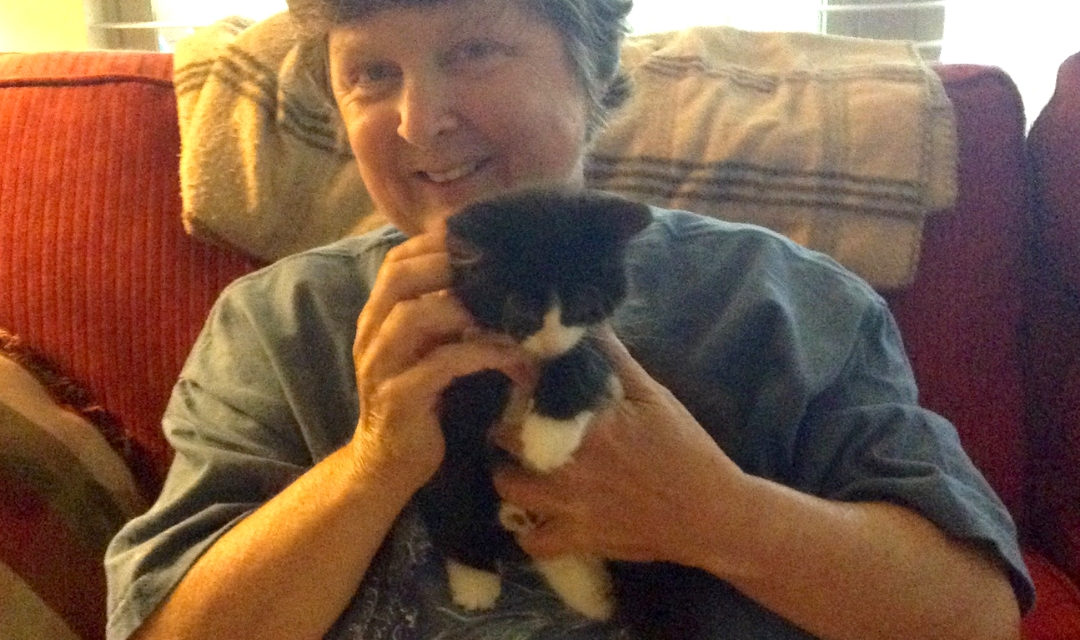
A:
(592, 32)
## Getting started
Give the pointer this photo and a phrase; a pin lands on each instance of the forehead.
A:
(410, 25)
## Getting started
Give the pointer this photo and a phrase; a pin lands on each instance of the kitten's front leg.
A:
(582, 582)
(471, 588)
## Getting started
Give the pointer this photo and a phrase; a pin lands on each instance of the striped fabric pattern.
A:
(844, 146)
(265, 163)
(66, 492)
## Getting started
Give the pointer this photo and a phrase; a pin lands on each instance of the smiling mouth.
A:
(456, 173)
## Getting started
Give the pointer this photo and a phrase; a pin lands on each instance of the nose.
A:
(428, 111)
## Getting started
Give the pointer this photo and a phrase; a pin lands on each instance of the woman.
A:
(767, 436)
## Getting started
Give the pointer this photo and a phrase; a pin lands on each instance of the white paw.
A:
(515, 519)
(472, 588)
(583, 583)
(547, 443)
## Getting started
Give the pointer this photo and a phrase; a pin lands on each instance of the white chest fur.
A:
(554, 338)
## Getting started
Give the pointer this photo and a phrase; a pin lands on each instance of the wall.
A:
(42, 25)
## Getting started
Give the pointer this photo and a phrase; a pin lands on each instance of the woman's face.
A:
(448, 103)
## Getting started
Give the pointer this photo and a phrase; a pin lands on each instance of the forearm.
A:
(861, 571)
(289, 569)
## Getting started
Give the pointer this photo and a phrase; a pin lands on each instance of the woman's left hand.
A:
(647, 483)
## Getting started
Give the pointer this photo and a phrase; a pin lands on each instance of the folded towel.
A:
(265, 164)
(844, 145)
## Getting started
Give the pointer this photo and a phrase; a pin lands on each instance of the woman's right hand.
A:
(410, 344)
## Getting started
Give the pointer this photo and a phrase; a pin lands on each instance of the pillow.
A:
(66, 493)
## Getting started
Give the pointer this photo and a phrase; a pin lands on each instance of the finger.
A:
(526, 489)
(506, 434)
(551, 538)
(636, 382)
(413, 328)
(433, 241)
(399, 280)
(441, 366)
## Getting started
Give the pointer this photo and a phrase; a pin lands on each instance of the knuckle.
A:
(391, 274)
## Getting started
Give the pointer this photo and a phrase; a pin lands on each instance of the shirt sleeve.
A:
(797, 369)
(228, 460)
(268, 390)
(865, 438)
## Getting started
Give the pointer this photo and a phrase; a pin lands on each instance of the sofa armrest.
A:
(1054, 150)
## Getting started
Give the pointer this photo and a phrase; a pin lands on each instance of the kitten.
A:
(544, 267)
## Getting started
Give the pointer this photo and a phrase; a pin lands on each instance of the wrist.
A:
(729, 530)
(373, 463)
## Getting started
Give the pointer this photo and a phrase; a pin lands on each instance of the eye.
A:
(373, 73)
(370, 79)
(470, 53)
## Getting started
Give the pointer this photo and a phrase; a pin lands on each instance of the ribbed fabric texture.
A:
(96, 270)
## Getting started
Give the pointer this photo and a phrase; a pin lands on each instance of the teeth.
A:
(452, 174)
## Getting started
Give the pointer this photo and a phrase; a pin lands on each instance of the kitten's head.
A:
(543, 265)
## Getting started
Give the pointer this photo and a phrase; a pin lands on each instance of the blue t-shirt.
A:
(793, 365)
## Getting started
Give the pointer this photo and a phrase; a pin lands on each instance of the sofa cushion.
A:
(66, 493)
(1056, 614)
(88, 151)
(961, 320)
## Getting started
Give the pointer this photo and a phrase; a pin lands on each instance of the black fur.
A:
(511, 257)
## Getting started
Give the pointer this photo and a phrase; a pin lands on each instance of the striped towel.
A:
(265, 165)
(842, 144)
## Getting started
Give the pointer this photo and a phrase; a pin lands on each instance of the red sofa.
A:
(101, 285)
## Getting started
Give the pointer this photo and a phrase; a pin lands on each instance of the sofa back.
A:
(97, 272)
(91, 241)
(962, 319)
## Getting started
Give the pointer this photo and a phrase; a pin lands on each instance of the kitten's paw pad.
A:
(471, 588)
(583, 584)
(548, 443)
(515, 519)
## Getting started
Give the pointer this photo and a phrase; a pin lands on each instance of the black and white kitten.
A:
(546, 268)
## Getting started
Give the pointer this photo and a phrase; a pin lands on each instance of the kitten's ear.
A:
(627, 217)
(462, 252)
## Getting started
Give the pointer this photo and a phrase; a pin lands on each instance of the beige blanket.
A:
(265, 165)
(843, 145)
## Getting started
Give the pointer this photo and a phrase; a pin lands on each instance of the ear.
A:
(627, 217)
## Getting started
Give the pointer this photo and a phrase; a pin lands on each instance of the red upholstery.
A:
(99, 275)
(961, 319)
(96, 269)
(1054, 146)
